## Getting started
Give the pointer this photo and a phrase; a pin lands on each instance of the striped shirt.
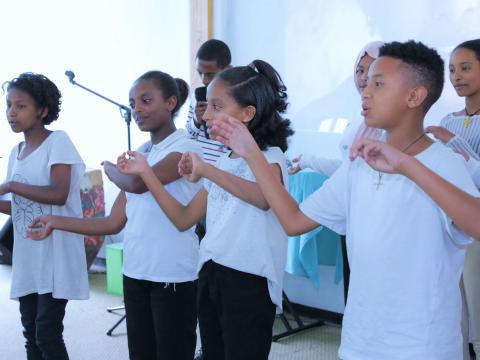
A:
(212, 149)
(467, 138)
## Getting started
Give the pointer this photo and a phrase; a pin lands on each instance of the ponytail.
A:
(259, 85)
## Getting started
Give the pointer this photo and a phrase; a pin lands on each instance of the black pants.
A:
(42, 320)
(235, 314)
(161, 319)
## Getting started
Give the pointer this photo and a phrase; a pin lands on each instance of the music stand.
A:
(125, 111)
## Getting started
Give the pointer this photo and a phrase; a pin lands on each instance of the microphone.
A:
(70, 75)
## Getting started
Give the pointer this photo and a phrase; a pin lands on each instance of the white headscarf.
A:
(371, 49)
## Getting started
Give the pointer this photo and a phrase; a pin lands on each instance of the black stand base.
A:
(112, 310)
(300, 325)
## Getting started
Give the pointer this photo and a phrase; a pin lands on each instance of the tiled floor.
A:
(87, 321)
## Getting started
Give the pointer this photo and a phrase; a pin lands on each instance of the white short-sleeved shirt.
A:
(57, 264)
(406, 258)
(154, 249)
(242, 236)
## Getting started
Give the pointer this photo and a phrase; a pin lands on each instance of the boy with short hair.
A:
(405, 253)
(212, 57)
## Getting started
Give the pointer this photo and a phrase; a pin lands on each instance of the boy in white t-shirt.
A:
(405, 253)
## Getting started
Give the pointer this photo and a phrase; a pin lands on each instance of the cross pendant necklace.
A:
(379, 182)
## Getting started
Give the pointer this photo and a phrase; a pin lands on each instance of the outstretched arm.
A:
(112, 224)
(235, 135)
(165, 170)
(461, 207)
(183, 217)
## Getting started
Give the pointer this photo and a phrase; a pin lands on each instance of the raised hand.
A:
(379, 155)
(234, 134)
(132, 162)
(440, 133)
(191, 167)
(40, 228)
(295, 165)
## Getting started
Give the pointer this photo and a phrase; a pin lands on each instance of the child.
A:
(159, 262)
(354, 130)
(212, 57)
(242, 256)
(461, 132)
(405, 254)
(44, 174)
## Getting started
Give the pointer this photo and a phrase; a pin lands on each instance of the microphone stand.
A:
(125, 111)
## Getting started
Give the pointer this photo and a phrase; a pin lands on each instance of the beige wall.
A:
(201, 13)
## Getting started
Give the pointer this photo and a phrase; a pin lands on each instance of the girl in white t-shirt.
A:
(242, 256)
(159, 262)
(44, 174)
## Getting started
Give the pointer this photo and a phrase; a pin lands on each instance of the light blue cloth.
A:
(320, 246)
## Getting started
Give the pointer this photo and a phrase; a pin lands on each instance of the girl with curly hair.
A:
(242, 256)
(44, 173)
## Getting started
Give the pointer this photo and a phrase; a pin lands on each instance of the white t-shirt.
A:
(405, 256)
(242, 236)
(57, 264)
(154, 249)
(473, 167)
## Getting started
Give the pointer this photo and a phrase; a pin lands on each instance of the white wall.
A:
(314, 43)
(108, 44)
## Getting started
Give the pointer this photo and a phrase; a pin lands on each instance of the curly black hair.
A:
(424, 66)
(259, 85)
(168, 86)
(473, 45)
(43, 91)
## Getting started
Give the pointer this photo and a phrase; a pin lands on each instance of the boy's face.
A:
(384, 100)
(207, 69)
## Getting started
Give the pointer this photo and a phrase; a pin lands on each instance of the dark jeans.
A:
(235, 314)
(161, 319)
(42, 320)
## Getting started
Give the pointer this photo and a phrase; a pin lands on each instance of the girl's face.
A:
(464, 71)
(220, 103)
(361, 72)
(22, 112)
(149, 108)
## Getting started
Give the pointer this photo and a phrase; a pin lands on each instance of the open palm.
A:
(235, 135)
(132, 162)
(40, 228)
